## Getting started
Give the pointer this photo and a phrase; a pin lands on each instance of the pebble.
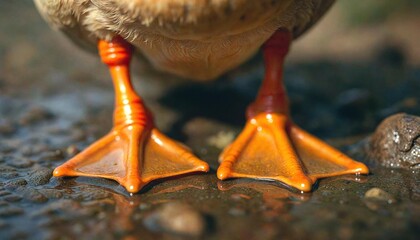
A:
(39, 176)
(12, 198)
(9, 145)
(51, 193)
(33, 149)
(3, 203)
(87, 193)
(31, 195)
(10, 211)
(176, 218)
(53, 155)
(15, 183)
(380, 195)
(21, 162)
(239, 196)
(6, 128)
(396, 142)
(8, 175)
(376, 198)
(237, 212)
(5, 168)
(72, 150)
(4, 193)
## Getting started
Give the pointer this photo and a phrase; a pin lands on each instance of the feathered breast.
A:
(198, 39)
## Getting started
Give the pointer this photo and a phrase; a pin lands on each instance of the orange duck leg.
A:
(271, 146)
(134, 152)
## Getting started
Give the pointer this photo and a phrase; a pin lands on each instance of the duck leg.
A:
(271, 146)
(134, 152)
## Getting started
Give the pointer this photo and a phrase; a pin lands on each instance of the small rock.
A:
(396, 142)
(9, 175)
(12, 198)
(4, 193)
(239, 196)
(10, 211)
(5, 168)
(32, 195)
(376, 198)
(51, 193)
(15, 183)
(39, 176)
(3, 203)
(72, 150)
(379, 195)
(89, 193)
(176, 218)
(221, 139)
(237, 212)
(10, 145)
(52, 155)
(33, 149)
(21, 162)
(6, 128)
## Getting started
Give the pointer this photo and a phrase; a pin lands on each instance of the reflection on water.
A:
(276, 199)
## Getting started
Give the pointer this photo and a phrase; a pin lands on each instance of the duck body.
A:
(195, 39)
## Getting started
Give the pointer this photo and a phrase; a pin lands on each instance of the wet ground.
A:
(56, 99)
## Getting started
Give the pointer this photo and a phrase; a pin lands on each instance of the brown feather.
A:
(198, 39)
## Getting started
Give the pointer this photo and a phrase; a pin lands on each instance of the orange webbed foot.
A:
(134, 152)
(272, 148)
(133, 156)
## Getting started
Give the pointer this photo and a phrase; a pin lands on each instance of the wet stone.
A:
(39, 176)
(21, 162)
(237, 212)
(10, 211)
(176, 218)
(3, 203)
(4, 193)
(34, 149)
(5, 168)
(90, 194)
(9, 145)
(72, 150)
(51, 193)
(6, 127)
(15, 183)
(12, 198)
(8, 175)
(376, 198)
(31, 195)
(396, 142)
(52, 155)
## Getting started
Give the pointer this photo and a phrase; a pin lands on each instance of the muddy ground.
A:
(56, 99)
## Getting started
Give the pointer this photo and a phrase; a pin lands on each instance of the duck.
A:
(198, 40)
